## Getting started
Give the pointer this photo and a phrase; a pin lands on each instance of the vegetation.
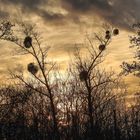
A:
(89, 104)
(134, 67)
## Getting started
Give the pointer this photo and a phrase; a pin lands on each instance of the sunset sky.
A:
(64, 23)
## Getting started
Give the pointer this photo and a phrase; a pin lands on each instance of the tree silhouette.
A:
(133, 67)
(39, 55)
(93, 79)
(89, 103)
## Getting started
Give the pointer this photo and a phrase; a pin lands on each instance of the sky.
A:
(64, 23)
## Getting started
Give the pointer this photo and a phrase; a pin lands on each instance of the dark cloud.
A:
(33, 6)
(87, 4)
(26, 3)
(119, 12)
(3, 14)
(50, 15)
(122, 13)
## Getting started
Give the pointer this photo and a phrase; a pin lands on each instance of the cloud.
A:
(26, 3)
(87, 4)
(122, 13)
(3, 14)
(39, 7)
(118, 12)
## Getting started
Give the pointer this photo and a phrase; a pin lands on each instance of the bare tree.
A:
(88, 104)
(29, 43)
(133, 67)
(92, 83)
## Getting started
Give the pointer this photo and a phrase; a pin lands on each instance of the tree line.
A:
(89, 103)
